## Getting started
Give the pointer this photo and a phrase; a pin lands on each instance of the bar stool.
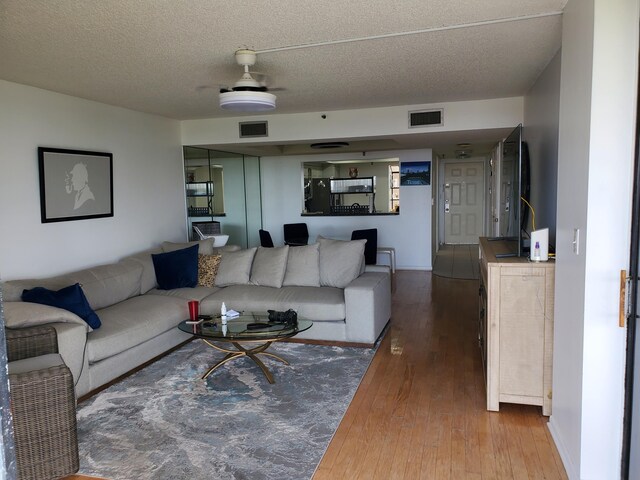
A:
(392, 256)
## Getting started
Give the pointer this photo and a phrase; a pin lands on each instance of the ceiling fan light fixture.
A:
(248, 101)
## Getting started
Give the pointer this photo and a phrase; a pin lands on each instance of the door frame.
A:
(631, 420)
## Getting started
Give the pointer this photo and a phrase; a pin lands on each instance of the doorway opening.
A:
(461, 216)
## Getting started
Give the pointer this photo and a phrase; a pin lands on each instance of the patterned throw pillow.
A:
(207, 269)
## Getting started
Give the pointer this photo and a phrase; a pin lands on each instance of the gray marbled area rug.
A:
(164, 422)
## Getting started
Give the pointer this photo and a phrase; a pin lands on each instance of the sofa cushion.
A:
(205, 247)
(226, 248)
(269, 265)
(207, 269)
(313, 303)
(235, 267)
(303, 266)
(69, 298)
(103, 285)
(109, 284)
(148, 278)
(133, 322)
(196, 293)
(33, 364)
(177, 269)
(341, 261)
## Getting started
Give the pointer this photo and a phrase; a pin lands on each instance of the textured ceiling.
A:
(169, 57)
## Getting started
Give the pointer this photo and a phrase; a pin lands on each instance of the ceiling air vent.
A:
(253, 129)
(425, 118)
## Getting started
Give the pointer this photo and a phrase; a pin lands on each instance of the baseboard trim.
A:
(562, 451)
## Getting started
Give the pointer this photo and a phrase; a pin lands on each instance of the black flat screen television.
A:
(514, 193)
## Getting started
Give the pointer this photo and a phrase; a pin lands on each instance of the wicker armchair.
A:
(43, 405)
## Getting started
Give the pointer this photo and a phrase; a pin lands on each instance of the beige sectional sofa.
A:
(138, 320)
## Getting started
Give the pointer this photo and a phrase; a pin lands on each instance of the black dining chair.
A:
(265, 238)
(371, 247)
(296, 234)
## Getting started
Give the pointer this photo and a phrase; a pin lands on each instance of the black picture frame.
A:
(415, 173)
(75, 184)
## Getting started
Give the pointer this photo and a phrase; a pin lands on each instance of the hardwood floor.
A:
(420, 411)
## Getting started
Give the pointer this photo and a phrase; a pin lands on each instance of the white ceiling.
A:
(170, 57)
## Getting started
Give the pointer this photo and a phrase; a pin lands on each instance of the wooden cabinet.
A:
(515, 328)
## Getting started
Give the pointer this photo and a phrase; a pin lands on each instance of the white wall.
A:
(149, 203)
(595, 157)
(540, 130)
(409, 232)
(356, 124)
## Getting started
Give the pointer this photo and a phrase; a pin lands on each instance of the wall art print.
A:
(75, 184)
(415, 173)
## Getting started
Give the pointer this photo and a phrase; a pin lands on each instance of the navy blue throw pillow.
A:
(70, 298)
(177, 269)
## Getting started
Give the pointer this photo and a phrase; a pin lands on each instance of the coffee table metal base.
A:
(241, 351)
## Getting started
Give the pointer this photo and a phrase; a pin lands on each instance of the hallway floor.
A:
(457, 261)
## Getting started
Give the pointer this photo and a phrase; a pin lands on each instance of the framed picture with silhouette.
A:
(75, 184)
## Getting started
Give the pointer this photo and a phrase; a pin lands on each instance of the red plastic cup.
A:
(194, 306)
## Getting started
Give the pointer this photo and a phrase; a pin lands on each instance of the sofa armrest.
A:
(368, 306)
(31, 342)
(72, 345)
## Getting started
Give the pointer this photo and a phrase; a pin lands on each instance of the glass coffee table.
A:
(251, 334)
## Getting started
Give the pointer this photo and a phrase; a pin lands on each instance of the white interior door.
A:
(463, 202)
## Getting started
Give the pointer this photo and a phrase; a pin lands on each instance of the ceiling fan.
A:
(248, 94)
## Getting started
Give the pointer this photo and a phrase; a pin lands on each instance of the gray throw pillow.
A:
(303, 266)
(340, 261)
(269, 266)
(235, 268)
(205, 247)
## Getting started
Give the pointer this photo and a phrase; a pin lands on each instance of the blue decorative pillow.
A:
(177, 269)
(70, 298)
